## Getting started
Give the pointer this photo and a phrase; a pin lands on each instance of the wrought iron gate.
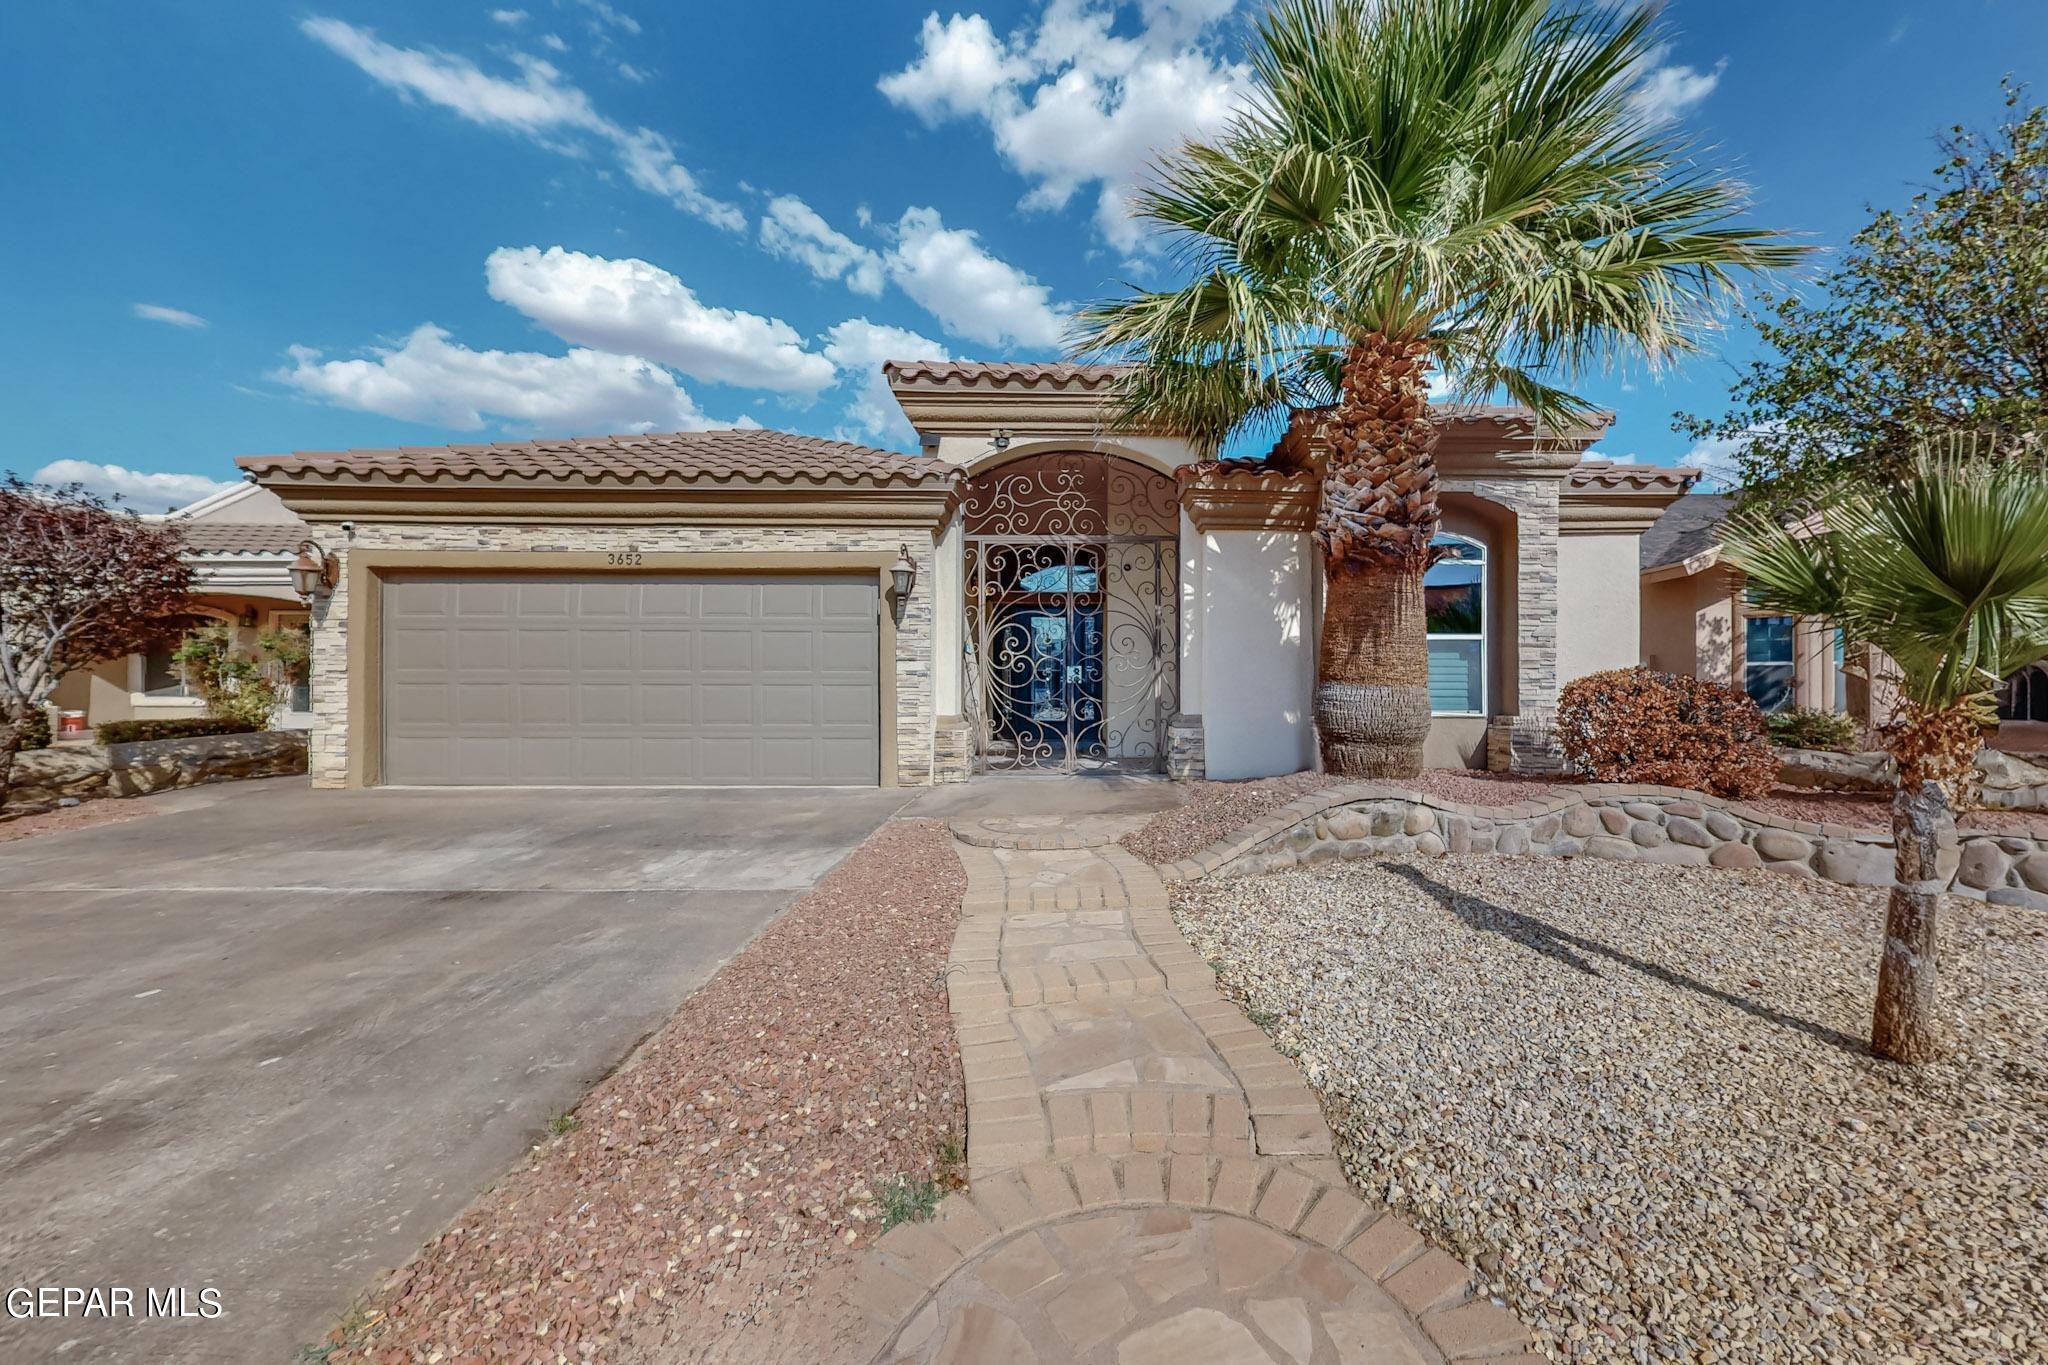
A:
(1071, 637)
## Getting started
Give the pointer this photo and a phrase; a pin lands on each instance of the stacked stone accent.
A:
(1532, 737)
(1187, 750)
(952, 749)
(43, 778)
(1608, 820)
(915, 729)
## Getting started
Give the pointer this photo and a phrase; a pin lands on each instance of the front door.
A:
(1070, 639)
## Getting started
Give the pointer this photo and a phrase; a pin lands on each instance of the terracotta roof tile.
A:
(1003, 375)
(747, 455)
(242, 537)
(1607, 474)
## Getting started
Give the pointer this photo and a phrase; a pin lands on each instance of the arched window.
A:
(1454, 598)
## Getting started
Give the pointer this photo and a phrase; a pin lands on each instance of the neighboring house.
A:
(1697, 619)
(240, 543)
(723, 607)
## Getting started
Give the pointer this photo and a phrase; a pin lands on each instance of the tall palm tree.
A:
(1470, 186)
(1947, 573)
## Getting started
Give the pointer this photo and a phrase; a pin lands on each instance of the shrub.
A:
(35, 730)
(134, 731)
(1804, 727)
(1635, 725)
(234, 684)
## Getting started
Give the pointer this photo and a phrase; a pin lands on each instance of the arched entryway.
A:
(1071, 638)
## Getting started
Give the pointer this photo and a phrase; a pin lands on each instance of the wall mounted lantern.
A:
(1000, 438)
(312, 571)
(902, 578)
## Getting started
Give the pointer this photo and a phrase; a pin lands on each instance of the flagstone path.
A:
(1150, 1183)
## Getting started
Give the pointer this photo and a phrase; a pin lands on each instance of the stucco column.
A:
(952, 742)
(1186, 747)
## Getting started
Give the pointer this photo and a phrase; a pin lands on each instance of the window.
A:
(1454, 601)
(1768, 667)
(160, 676)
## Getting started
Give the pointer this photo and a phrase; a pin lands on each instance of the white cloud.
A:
(1071, 104)
(1667, 91)
(961, 66)
(954, 278)
(630, 307)
(1714, 457)
(553, 42)
(635, 74)
(136, 490)
(859, 347)
(177, 317)
(510, 18)
(792, 229)
(605, 14)
(538, 104)
(435, 380)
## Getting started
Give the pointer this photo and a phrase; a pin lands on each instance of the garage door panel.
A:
(664, 680)
(672, 651)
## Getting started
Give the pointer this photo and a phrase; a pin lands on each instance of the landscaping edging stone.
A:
(1608, 820)
(43, 778)
(2009, 781)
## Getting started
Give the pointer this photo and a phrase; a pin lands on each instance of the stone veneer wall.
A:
(1532, 729)
(914, 716)
(1608, 820)
(44, 778)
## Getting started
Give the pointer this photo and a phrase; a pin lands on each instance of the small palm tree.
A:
(1460, 185)
(1947, 573)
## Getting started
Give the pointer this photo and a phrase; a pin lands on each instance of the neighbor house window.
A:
(1454, 598)
(1768, 660)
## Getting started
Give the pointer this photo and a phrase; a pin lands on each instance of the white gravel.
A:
(1640, 1101)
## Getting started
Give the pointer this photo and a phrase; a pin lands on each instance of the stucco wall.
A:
(1598, 615)
(1257, 653)
(913, 663)
(1689, 626)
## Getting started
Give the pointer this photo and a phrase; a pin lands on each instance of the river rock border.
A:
(1607, 820)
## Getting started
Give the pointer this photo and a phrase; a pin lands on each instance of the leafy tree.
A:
(1935, 321)
(1464, 185)
(1946, 571)
(79, 582)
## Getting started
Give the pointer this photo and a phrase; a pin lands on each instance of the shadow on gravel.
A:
(1572, 949)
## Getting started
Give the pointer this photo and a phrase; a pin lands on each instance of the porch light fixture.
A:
(312, 571)
(902, 578)
(1000, 438)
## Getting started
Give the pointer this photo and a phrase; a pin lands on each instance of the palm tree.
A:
(1947, 573)
(1469, 186)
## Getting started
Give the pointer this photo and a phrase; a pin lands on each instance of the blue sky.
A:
(248, 228)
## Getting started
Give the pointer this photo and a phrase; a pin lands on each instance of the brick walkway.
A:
(1150, 1183)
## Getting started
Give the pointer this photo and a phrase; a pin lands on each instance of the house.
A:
(1026, 593)
(1697, 619)
(240, 543)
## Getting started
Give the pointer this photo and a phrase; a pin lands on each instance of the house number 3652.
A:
(623, 557)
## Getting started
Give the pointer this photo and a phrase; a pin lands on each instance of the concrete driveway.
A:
(270, 1040)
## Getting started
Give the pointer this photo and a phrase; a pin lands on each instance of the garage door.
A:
(643, 681)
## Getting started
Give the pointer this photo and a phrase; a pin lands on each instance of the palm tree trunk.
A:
(1376, 521)
(1372, 698)
(1902, 1027)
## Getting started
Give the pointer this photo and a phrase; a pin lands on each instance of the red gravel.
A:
(737, 1155)
(82, 816)
(1212, 811)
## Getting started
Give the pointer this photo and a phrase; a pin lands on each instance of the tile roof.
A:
(1001, 375)
(242, 537)
(1607, 474)
(1691, 525)
(741, 455)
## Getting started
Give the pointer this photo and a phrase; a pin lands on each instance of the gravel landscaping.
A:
(694, 1197)
(1638, 1099)
(1213, 810)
